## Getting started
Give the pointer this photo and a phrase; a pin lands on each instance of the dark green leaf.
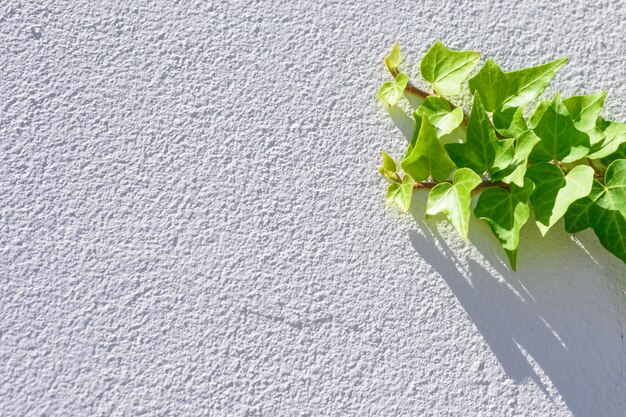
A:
(506, 212)
(604, 210)
(584, 111)
(516, 169)
(555, 192)
(509, 122)
(527, 84)
(615, 136)
(512, 89)
(491, 84)
(478, 152)
(560, 140)
(620, 153)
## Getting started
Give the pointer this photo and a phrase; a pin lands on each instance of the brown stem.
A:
(412, 89)
(426, 185)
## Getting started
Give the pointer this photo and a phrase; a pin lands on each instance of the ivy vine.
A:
(562, 159)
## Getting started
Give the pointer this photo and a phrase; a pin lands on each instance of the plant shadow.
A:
(557, 321)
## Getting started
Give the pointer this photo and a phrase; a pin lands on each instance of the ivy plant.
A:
(555, 158)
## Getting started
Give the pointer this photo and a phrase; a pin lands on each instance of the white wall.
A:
(192, 222)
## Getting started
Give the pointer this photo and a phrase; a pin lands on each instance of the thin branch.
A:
(426, 185)
(413, 89)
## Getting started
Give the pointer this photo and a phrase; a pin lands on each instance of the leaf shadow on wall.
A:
(556, 321)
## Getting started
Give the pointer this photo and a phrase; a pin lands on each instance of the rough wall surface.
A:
(192, 224)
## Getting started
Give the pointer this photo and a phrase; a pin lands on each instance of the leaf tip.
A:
(561, 62)
(512, 255)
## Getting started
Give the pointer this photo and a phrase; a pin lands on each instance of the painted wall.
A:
(192, 222)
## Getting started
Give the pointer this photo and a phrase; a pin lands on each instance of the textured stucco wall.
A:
(192, 224)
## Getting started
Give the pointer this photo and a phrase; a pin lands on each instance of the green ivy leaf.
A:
(454, 199)
(440, 114)
(555, 191)
(428, 156)
(584, 111)
(604, 210)
(416, 132)
(580, 214)
(535, 118)
(527, 84)
(491, 84)
(615, 136)
(506, 212)
(620, 153)
(512, 89)
(516, 169)
(510, 122)
(560, 140)
(505, 150)
(389, 168)
(389, 163)
(401, 194)
(478, 152)
(392, 61)
(447, 69)
(391, 91)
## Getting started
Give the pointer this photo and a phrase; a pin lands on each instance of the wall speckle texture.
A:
(192, 222)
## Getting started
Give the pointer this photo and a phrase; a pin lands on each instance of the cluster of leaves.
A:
(564, 160)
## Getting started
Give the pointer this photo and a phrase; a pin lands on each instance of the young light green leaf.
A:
(391, 91)
(401, 194)
(389, 163)
(506, 212)
(560, 140)
(454, 199)
(604, 210)
(428, 157)
(392, 61)
(440, 114)
(478, 152)
(389, 168)
(615, 135)
(512, 89)
(509, 122)
(516, 169)
(555, 192)
(447, 69)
